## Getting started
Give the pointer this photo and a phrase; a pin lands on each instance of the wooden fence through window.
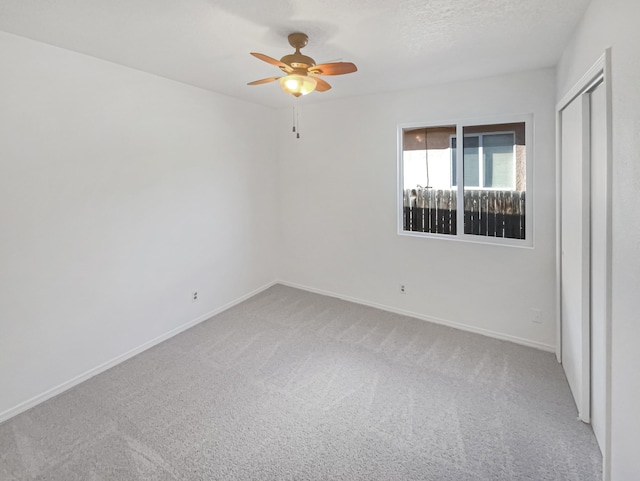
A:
(493, 213)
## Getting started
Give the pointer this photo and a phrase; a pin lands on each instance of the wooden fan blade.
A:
(333, 68)
(263, 81)
(321, 85)
(272, 61)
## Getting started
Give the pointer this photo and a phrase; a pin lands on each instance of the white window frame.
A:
(481, 159)
(460, 236)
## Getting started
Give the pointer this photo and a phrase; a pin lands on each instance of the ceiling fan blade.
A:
(263, 81)
(321, 85)
(333, 68)
(272, 61)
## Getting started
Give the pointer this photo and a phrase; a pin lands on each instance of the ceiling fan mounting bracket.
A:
(298, 40)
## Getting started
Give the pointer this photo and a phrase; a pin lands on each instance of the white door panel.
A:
(574, 289)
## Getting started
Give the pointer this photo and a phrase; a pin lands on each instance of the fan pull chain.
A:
(296, 122)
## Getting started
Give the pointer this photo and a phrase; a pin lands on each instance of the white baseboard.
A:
(435, 320)
(11, 412)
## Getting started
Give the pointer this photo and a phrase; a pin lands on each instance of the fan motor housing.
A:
(297, 60)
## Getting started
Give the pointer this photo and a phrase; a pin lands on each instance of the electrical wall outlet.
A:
(403, 289)
(194, 296)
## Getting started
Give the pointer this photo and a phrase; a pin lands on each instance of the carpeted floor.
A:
(291, 385)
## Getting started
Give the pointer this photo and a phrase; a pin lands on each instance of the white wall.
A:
(338, 210)
(120, 194)
(614, 23)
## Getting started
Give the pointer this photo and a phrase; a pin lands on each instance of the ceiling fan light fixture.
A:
(298, 85)
(302, 72)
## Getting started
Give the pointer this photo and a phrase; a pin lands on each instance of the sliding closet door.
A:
(574, 288)
(584, 250)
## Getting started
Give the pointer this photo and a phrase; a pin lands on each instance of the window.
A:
(491, 164)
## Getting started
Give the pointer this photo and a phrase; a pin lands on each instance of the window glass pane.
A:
(499, 160)
(495, 180)
(429, 203)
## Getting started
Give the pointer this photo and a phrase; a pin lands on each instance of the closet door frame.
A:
(600, 72)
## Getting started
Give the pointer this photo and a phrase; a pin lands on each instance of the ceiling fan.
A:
(302, 73)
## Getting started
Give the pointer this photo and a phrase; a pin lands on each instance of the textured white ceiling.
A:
(396, 44)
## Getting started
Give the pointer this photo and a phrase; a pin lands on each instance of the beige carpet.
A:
(295, 386)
